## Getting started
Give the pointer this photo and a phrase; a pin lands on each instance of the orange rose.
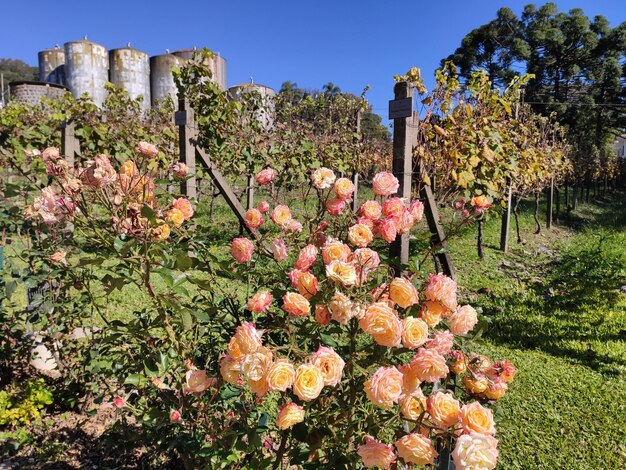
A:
(307, 284)
(322, 315)
(128, 168)
(335, 250)
(403, 293)
(308, 383)
(242, 249)
(414, 332)
(370, 209)
(289, 415)
(477, 418)
(245, 341)
(161, 232)
(475, 384)
(384, 388)
(360, 235)
(147, 149)
(296, 304)
(330, 363)
(254, 218)
(343, 188)
(417, 449)
(376, 454)
(365, 259)
(412, 406)
(442, 289)
(443, 409)
(259, 301)
(432, 313)
(175, 217)
(281, 215)
(382, 323)
(265, 176)
(280, 375)
(230, 370)
(496, 389)
(184, 206)
(306, 257)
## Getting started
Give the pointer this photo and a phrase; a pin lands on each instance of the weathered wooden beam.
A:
(70, 146)
(187, 134)
(224, 187)
(506, 219)
(355, 196)
(438, 242)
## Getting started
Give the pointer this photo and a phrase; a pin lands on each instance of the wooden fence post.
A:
(70, 146)
(250, 193)
(404, 140)
(550, 199)
(187, 133)
(355, 195)
(506, 219)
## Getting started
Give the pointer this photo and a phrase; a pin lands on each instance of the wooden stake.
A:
(506, 219)
(187, 134)
(70, 146)
(550, 191)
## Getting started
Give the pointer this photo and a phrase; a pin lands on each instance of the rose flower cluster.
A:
(124, 193)
(331, 281)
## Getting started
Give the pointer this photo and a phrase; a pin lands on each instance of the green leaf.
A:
(149, 214)
(328, 340)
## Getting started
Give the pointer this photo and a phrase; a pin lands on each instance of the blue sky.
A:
(351, 43)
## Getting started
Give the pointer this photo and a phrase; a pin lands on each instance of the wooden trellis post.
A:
(70, 146)
(190, 152)
(506, 219)
(405, 135)
(549, 203)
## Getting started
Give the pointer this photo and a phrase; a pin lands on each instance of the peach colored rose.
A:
(322, 315)
(184, 206)
(463, 320)
(100, 173)
(479, 363)
(197, 381)
(444, 409)
(289, 415)
(414, 332)
(404, 223)
(161, 232)
(410, 381)
(382, 323)
(417, 449)
(475, 383)
(371, 209)
(335, 206)
(335, 250)
(281, 215)
(442, 289)
(293, 226)
(432, 313)
(330, 363)
(306, 257)
(260, 301)
(341, 308)
(442, 342)
(308, 383)
(230, 370)
(150, 150)
(279, 249)
(480, 203)
(475, 452)
(323, 178)
(343, 188)
(254, 365)
(365, 259)
(429, 366)
(294, 276)
(384, 388)
(403, 292)
(387, 229)
(258, 387)
(369, 223)
(412, 406)
(360, 235)
(180, 169)
(242, 249)
(376, 454)
(385, 184)
(496, 389)
(280, 375)
(128, 168)
(246, 340)
(477, 418)
(175, 217)
(394, 207)
(265, 176)
(254, 218)
(263, 207)
(307, 284)
(505, 369)
(416, 209)
(296, 304)
(343, 273)
(58, 257)
(458, 364)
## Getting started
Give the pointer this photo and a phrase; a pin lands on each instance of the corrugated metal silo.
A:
(130, 70)
(87, 69)
(267, 94)
(161, 79)
(217, 65)
(52, 66)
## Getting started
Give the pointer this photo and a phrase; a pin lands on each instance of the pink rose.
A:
(463, 320)
(175, 416)
(417, 210)
(394, 207)
(376, 454)
(263, 207)
(385, 184)
(259, 301)
(294, 276)
(180, 169)
(335, 206)
(343, 188)
(370, 209)
(242, 250)
(442, 342)
(279, 249)
(147, 149)
(119, 402)
(306, 257)
(387, 229)
(265, 176)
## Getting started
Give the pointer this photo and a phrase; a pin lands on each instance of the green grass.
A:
(557, 312)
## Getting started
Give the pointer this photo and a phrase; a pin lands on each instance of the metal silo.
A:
(268, 94)
(52, 66)
(87, 69)
(129, 69)
(217, 65)
(161, 79)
